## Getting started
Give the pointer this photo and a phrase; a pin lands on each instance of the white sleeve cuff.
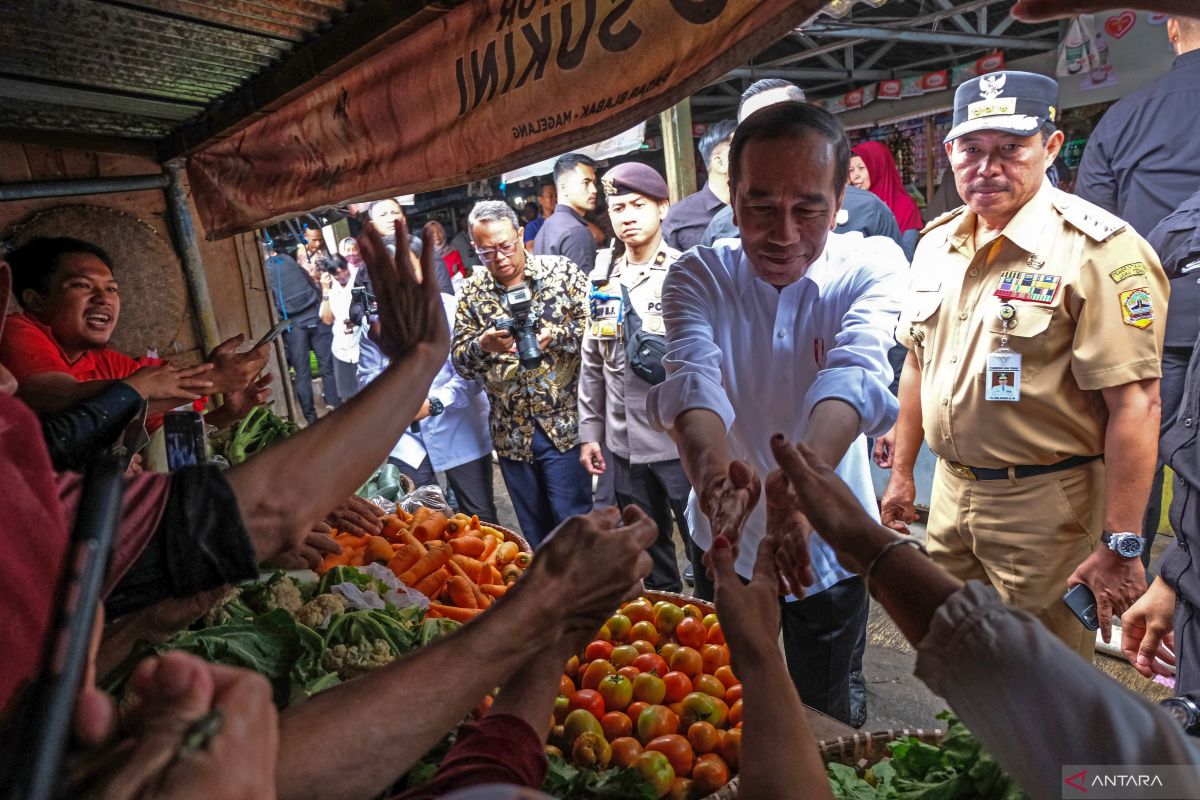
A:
(684, 391)
(876, 405)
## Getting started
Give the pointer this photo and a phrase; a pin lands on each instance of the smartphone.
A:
(280, 328)
(1082, 602)
(41, 725)
(184, 435)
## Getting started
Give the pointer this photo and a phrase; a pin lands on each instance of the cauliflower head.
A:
(316, 612)
(354, 660)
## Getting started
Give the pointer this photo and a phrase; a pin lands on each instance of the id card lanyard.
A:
(1003, 374)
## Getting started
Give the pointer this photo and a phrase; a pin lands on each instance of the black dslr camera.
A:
(363, 305)
(522, 326)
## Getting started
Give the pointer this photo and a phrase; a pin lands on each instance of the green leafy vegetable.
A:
(568, 782)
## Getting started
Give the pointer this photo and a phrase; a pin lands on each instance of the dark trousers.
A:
(547, 490)
(661, 490)
(472, 486)
(605, 495)
(1174, 377)
(1187, 647)
(819, 634)
(421, 475)
(345, 375)
(297, 342)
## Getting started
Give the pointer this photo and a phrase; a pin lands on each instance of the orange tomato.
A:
(726, 676)
(650, 662)
(678, 686)
(710, 773)
(715, 634)
(687, 661)
(566, 685)
(635, 709)
(656, 721)
(715, 656)
(693, 610)
(630, 672)
(642, 646)
(710, 685)
(616, 724)
(572, 668)
(625, 751)
(733, 693)
(704, 737)
(644, 630)
(604, 634)
(731, 748)
(709, 619)
(649, 688)
(639, 610)
(681, 789)
(691, 633)
(735, 713)
(655, 768)
(677, 750)
(599, 649)
(623, 655)
(595, 672)
(667, 649)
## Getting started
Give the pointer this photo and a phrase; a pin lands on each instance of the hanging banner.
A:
(935, 81)
(853, 99)
(889, 90)
(912, 87)
(869, 93)
(490, 86)
(992, 62)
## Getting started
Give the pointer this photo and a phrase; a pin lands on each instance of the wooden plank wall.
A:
(233, 266)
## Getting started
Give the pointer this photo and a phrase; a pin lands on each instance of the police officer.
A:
(623, 344)
(1069, 301)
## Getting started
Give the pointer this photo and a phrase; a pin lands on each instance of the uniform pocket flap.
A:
(1031, 320)
(922, 305)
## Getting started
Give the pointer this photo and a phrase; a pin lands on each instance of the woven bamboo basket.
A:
(511, 536)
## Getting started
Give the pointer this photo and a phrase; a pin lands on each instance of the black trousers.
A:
(1174, 376)
(604, 496)
(473, 489)
(661, 489)
(346, 375)
(297, 342)
(819, 634)
(421, 475)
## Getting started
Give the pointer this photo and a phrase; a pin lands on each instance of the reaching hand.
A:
(749, 612)
(410, 311)
(885, 450)
(309, 552)
(1147, 631)
(357, 516)
(240, 403)
(898, 507)
(1117, 583)
(727, 500)
(165, 382)
(789, 527)
(234, 371)
(592, 458)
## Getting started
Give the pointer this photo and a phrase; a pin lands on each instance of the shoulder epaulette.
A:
(943, 219)
(1091, 220)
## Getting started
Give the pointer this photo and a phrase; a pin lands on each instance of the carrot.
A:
(494, 575)
(450, 612)
(402, 561)
(468, 546)
(494, 590)
(481, 599)
(432, 583)
(435, 558)
(431, 527)
(489, 551)
(393, 526)
(379, 549)
(351, 540)
(507, 552)
(408, 538)
(460, 592)
(511, 573)
(419, 517)
(472, 567)
(334, 560)
(523, 560)
(358, 557)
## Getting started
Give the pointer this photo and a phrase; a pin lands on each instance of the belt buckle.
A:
(961, 470)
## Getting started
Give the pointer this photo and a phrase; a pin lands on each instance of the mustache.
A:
(989, 186)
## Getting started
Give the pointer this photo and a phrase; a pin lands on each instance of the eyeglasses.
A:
(505, 249)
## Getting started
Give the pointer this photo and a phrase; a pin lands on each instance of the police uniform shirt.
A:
(612, 400)
(1090, 304)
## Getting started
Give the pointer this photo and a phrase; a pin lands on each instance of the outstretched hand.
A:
(749, 612)
(727, 500)
(410, 309)
(791, 529)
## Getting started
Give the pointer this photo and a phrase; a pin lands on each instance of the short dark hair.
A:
(35, 262)
(796, 94)
(787, 121)
(716, 134)
(332, 262)
(544, 184)
(568, 163)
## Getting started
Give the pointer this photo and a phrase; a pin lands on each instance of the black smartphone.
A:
(184, 433)
(280, 328)
(1082, 602)
(41, 727)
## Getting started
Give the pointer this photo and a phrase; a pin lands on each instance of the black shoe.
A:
(689, 577)
(858, 700)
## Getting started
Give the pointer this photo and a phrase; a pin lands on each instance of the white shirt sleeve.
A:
(857, 369)
(693, 360)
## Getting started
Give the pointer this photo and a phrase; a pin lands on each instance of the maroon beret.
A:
(636, 178)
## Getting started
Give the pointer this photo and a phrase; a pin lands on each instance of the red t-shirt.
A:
(29, 348)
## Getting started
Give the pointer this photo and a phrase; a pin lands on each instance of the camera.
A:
(1185, 711)
(363, 305)
(522, 326)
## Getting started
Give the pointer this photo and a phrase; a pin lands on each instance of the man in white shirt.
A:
(785, 330)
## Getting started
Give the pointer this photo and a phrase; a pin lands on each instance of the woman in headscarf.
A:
(873, 168)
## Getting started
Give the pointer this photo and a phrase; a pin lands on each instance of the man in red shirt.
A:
(58, 346)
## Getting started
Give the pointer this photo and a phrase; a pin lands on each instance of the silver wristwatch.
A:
(1126, 545)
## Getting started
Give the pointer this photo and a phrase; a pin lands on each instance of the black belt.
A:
(1021, 471)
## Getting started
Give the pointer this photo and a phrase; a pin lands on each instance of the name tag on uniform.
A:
(606, 311)
(1003, 376)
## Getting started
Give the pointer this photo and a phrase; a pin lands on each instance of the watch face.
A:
(1129, 546)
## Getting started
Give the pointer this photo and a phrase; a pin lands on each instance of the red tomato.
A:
(731, 747)
(651, 662)
(703, 737)
(677, 750)
(589, 700)
(715, 635)
(635, 709)
(687, 661)
(715, 656)
(710, 773)
(630, 672)
(625, 751)
(595, 672)
(598, 650)
(691, 633)
(656, 721)
(616, 725)
(733, 693)
(678, 686)
(735, 713)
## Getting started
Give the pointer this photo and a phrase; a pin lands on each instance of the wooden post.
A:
(676, 123)
(929, 152)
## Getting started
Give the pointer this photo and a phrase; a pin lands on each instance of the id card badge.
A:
(1003, 376)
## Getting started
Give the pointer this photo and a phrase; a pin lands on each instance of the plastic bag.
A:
(430, 497)
(398, 594)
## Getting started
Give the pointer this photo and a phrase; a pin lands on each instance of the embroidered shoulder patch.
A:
(1035, 287)
(1128, 271)
(1137, 309)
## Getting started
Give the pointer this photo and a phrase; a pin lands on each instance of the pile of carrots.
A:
(460, 564)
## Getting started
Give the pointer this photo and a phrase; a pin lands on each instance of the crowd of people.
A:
(716, 369)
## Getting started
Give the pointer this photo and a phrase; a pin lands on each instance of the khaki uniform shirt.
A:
(1090, 316)
(612, 400)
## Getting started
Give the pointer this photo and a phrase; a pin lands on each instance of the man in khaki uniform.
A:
(626, 312)
(1043, 476)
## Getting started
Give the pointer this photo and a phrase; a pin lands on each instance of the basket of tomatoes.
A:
(654, 692)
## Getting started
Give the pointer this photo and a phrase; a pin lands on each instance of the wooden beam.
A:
(676, 124)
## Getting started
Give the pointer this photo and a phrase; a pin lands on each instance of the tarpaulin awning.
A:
(488, 85)
(618, 145)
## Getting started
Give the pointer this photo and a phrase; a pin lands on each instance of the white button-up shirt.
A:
(762, 358)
